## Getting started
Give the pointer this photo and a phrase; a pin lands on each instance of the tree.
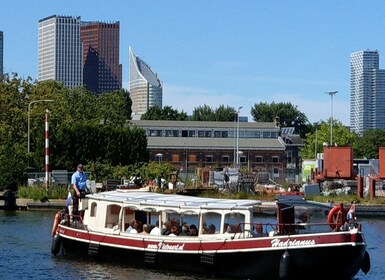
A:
(368, 145)
(220, 114)
(288, 114)
(167, 113)
(320, 136)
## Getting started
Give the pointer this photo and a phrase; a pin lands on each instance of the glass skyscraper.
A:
(367, 92)
(102, 71)
(60, 50)
(146, 89)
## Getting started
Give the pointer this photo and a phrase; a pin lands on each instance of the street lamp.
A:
(159, 155)
(29, 109)
(331, 93)
(316, 140)
(237, 163)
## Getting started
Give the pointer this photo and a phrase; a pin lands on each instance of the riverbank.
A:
(266, 207)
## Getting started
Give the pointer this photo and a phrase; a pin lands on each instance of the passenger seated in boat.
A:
(156, 229)
(174, 231)
(145, 229)
(166, 230)
(185, 230)
(210, 229)
(257, 230)
(132, 226)
(303, 219)
(193, 230)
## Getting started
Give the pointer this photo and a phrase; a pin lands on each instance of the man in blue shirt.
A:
(78, 182)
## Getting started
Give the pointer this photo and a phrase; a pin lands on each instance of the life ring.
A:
(56, 221)
(336, 217)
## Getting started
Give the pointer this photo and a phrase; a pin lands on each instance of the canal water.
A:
(25, 253)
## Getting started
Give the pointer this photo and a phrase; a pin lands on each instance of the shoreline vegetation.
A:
(40, 193)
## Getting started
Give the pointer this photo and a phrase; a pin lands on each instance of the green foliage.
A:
(320, 134)
(288, 114)
(83, 127)
(221, 114)
(368, 145)
(167, 113)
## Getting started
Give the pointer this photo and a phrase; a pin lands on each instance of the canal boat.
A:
(214, 237)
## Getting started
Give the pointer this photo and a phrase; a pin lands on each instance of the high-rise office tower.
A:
(102, 71)
(1, 53)
(367, 92)
(60, 50)
(146, 89)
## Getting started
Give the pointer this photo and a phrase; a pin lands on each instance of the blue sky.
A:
(235, 53)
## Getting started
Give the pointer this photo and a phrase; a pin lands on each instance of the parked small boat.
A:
(219, 237)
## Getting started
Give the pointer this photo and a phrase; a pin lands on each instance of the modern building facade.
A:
(1, 54)
(367, 92)
(189, 145)
(146, 89)
(60, 50)
(102, 71)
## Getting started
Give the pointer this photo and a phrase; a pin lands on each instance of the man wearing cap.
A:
(78, 182)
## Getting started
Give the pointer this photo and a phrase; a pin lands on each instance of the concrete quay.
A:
(266, 207)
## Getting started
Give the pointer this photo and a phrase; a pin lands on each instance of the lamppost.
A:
(237, 163)
(159, 155)
(29, 109)
(316, 140)
(331, 93)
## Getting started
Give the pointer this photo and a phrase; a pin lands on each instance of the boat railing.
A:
(249, 230)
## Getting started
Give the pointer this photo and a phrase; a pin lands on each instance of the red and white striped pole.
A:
(46, 150)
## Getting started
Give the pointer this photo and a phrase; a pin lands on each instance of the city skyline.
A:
(220, 53)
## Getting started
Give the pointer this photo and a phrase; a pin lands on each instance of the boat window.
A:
(233, 222)
(112, 215)
(93, 209)
(211, 223)
(185, 218)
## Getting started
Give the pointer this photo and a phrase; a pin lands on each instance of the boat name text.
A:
(294, 242)
(177, 247)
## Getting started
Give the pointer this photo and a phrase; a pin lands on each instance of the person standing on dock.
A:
(78, 182)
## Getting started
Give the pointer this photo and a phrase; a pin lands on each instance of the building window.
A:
(275, 159)
(217, 134)
(175, 133)
(191, 133)
(192, 158)
(242, 159)
(258, 159)
(201, 133)
(208, 134)
(159, 132)
(168, 133)
(175, 158)
(184, 133)
(209, 158)
(289, 156)
(275, 172)
(152, 132)
(225, 158)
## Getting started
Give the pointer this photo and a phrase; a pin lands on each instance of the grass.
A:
(41, 193)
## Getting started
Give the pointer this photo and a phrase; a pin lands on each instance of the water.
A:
(25, 253)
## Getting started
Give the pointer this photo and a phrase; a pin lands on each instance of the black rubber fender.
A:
(56, 244)
(365, 266)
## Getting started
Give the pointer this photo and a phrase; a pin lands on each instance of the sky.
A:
(222, 52)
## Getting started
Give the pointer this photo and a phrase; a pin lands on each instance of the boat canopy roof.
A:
(143, 200)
